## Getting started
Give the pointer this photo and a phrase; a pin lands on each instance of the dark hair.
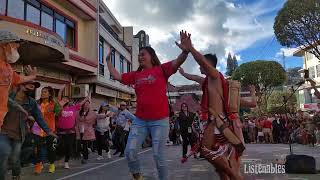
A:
(82, 109)
(186, 105)
(154, 58)
(51, 94)
(100, 110)
(212, 58)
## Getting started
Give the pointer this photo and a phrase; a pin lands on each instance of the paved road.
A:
(116, 168)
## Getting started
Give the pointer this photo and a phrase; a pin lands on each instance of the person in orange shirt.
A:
(50, 110)
(9, 44)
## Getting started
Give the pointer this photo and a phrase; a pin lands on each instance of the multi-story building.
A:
(306, 98)
(61, 38)
(124, 58)
(143, 39)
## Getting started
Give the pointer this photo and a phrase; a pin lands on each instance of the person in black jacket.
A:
(186, 120)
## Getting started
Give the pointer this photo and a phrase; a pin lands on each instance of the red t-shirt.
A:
(267, 124)
(150, 86)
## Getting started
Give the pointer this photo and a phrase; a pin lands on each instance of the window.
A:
(312, 73)
(16, 9)
(121, 64)
(61, 29)
(47, 18)
(318, 70)
(113, 60)
(33, 14)
(101, 64)
(128, 66)
(70, 33)
(3, 6)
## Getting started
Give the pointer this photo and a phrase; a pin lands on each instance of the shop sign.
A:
(47, 39)
(105, 91)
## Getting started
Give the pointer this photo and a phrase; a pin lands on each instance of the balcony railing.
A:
(101, 69)
(110, 30)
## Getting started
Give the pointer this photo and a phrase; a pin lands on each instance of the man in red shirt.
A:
(267, 129)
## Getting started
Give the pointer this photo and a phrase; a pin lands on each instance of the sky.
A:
(243, 28)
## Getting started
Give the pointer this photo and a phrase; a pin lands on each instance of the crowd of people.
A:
(301, 127)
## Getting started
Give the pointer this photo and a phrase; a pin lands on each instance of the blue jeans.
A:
(9, 148)
(139, 130)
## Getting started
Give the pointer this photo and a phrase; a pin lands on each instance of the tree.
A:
(235, 62)
(298, 25)
(264, 75)
(276, 101)
(230, 64)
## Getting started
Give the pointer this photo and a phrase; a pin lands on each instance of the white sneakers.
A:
(100, 158)
(109, 154)
(66, 165)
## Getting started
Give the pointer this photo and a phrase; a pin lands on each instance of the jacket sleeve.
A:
(36, 113)
(129, 115)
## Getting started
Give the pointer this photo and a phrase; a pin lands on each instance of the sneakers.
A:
(100, 158)
(66, 165)
(109, 154)
(52, 168)
(38, 168)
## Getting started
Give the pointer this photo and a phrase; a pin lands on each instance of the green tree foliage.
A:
(298, 25)
(264, 75)
(276, 101)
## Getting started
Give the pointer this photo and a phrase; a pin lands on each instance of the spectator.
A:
(267, 130)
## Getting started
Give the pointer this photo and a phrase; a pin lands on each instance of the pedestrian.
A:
(14, 128)
(186, 119)
(66, 125)
(121, 119)
(86, 119)
(150, 82)
(9, 45)
(267, 129)
(103, 130)
(50, 109)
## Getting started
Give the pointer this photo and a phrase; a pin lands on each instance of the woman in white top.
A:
(103, 130)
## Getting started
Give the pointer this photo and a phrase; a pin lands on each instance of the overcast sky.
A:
(241, 27)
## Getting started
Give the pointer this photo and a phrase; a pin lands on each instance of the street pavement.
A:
(116, 168)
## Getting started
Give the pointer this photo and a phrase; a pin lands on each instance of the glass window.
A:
(47, 10)
(61, 29)
(33, 14)
(101, 51)
(121, 64)
(3, 6)
(70, 37)
(318, 70)
(16, 9)
(312, 73)
(46, 21)
(113, 58)
(35, 3)
(128, 67)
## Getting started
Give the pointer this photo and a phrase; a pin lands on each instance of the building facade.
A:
(143, 38)
(124, 58)
(61, 38)
(306, 99)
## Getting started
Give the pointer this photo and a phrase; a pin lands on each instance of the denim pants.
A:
(9, 149)
(139, 130)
